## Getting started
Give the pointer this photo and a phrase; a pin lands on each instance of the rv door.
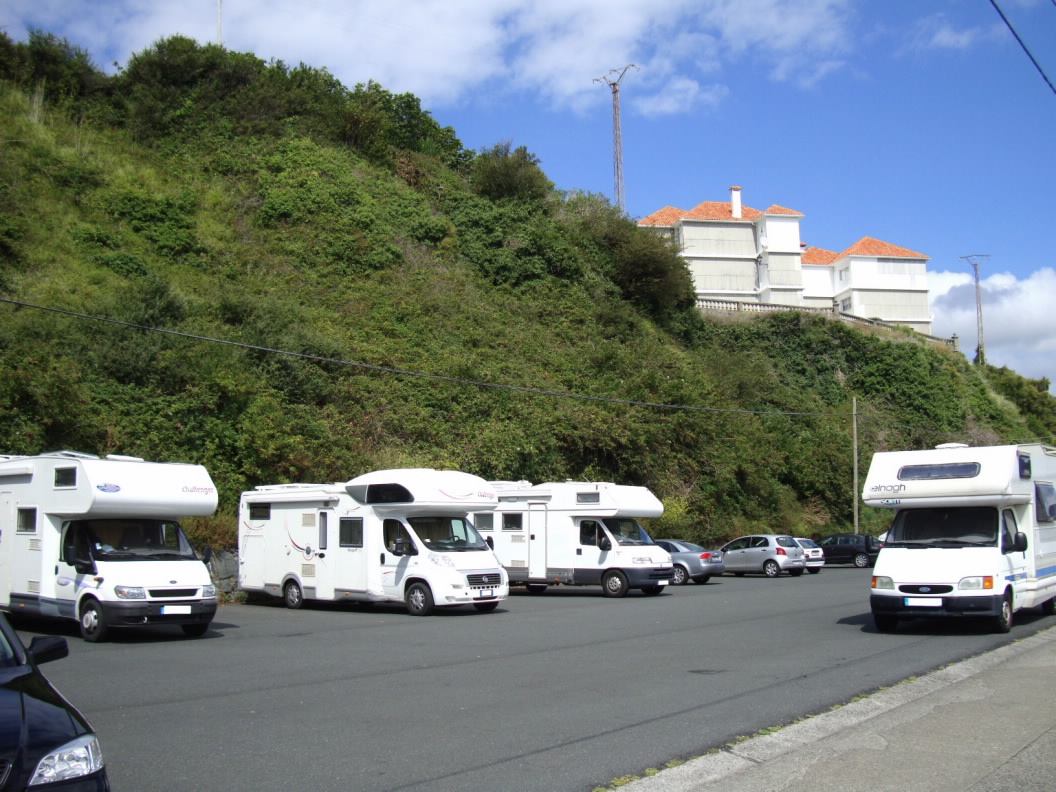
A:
(395, 557)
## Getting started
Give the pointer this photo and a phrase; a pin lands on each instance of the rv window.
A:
(260, 511)
(322, 530)
(588, 497)
(485, 521)
(388, 493)
(961, 524)
(1045, 502)
(512, 521)
(946, 471)
(588, 532)
(447, 534)
(66, 477)
(629, 532)
(351, 530)
(27, 521)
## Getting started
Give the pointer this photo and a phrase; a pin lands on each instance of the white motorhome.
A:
(974, 532)
(387, 536)
(577, 534)
(97, 540)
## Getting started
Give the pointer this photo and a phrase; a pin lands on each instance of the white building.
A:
(736, 253)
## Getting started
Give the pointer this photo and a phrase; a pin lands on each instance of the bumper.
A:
(637, 577)
(911, 607)
(134, 612)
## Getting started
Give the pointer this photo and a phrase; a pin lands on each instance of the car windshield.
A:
(807, 542)
(786, 541)
(954, 525)
(447, 534)
(627, 531)
(692, 548)
(127, 540)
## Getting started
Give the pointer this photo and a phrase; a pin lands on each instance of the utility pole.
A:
(980, 350)
(617, 137)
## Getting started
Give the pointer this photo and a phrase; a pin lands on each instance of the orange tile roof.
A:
(819, 256)
(775, 209)
(868, 246)
(667, 216)
(711, 210)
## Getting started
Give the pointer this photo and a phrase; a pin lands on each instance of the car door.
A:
(734, 554)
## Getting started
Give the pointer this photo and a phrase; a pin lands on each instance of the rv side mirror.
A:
(1019, 544)
(491, 542)
(208, 554)
(404, 547)
(84, 565)
(604, 543)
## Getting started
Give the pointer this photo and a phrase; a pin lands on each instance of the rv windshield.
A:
(627, 532)
(447, 534)
(129, 540)
(954, 526)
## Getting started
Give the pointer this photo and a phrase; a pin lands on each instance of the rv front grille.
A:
(484, 580)
(936, 589)
(173, 593)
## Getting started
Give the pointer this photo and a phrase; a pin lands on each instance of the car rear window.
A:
(786, 541)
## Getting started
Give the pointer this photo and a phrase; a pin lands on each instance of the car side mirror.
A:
(45, 648)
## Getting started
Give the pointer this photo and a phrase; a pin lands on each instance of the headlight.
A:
(76, 758)
(209, 591)
(130, 592)
(883, 582)
(981, 583)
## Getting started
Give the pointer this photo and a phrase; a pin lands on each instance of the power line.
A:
(1023, 45)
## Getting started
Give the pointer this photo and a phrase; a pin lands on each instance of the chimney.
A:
(735, 202)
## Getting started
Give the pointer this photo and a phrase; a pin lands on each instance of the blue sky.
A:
(919, 122)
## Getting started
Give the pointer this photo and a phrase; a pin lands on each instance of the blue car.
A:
(45, 743)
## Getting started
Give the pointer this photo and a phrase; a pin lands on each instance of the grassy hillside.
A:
(212, 259)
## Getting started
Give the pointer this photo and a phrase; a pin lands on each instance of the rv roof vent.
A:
(952, 445)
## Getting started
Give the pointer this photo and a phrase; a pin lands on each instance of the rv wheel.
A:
(535, 588)
(885, 622)
(1048, 607)
(1003, 621)
(419, 599)
(614, 584)
(292, 595)
(93, 623)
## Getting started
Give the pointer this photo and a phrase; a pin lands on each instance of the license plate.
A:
(485, 593)
(175, 610)
(923, 602)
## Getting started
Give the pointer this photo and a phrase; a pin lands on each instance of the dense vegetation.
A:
(253, 267)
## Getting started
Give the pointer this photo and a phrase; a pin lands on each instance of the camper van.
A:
(387, 536)
(577, 534)
(97, 540)
(973, 535)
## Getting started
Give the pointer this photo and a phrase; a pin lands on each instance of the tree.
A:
(501, 174)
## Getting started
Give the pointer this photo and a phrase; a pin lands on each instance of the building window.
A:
(27, 521)
(513, 521)
(350, 532)
(845, 306)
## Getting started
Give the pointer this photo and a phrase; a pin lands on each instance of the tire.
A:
(885, 622)
(419, 599)
(702, 580)
(795, 572)
(195, 630)
(535, 588)
(1048, 607)
(292, 595)
(813, 570)
(614, 584)
(651, 591)
(679, 575)
(738, 574)
(93, 623)
(771, 569)
(1002, 623)
(861, 560)
(486, 607)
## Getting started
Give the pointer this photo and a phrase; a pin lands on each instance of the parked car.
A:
(813, 555)
(45, 743)
(691, 561)
(849, 548)
(770, 554)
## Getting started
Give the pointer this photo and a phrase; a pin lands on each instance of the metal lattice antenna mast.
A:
(617, 136)
(980, 350)
(219, 23)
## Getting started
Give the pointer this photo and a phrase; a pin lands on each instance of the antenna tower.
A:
(617, 137)
(980, 350)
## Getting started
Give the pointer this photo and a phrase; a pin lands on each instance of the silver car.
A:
(691, 561)
(770, 554)
(815, 556)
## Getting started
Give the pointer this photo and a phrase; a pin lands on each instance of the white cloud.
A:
(1019, 323)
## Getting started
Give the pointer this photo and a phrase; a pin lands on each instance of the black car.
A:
(849, 548)
(45, 743)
